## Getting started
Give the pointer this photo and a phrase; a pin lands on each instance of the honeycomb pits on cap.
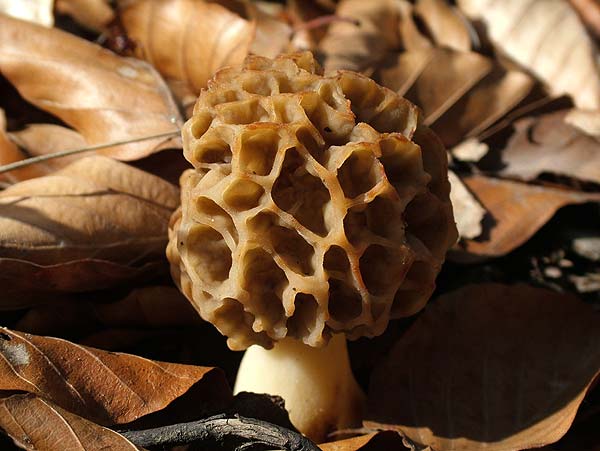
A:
(318, 205)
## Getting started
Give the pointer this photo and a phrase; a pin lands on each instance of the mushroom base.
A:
(320, 392)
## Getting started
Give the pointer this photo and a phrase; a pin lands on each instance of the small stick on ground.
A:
(223, 432)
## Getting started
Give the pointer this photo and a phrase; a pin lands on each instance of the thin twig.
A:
(223, 432)
(64, 153)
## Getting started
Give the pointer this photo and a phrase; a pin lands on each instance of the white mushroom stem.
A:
(320, 392)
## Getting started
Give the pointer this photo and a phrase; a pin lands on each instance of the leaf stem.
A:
(64, 153)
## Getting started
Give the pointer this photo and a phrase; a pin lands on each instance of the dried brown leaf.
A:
(104, 97)
(589, 11)
(148, 307)
(357, 46)
(486, 102)
(93, 208)
(196, 37)
(444, 24)
(548, 144)
(39, 11)
(10, 153)
(489, 367)
(25, 283)
(92, 14)
(515, 211)
(96, 211)
(43, 139)
(376, 441)
(105, 387)
(444, 77)
(547, 38)
(468, 212)
(38, 425)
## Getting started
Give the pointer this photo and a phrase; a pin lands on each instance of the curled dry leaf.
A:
(106, 98)
(515, 212)
(148, 307)
(547, 38)
(196, 37)
(105, 387)
(37, 11)
(376, 441)
(39, 425)
(95, 209)
(489, 367)
(548, 144)
(468, 212)
(92, 14)
(357, 46)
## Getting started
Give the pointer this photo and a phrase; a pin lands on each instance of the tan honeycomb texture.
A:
(317, 205)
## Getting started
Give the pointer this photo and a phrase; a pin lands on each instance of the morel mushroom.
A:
(318, 208)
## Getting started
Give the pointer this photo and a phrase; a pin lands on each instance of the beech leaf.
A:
(444, 24)
(147, 307)
(376, 441)
(25, 284)
(356, 46)
(95, 209)
(461, 93)
(549, 144)
(103, 96)
(547, 38)
(489, 367)
(196, 37)
(43, 139)
(105, 387)
(9, 153)
(92, 14)
(515, 211)
(39, 425)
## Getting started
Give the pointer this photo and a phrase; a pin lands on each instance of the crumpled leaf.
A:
(196, 37)
(548, 144)
(107, 388)
(38, 11)
(547, 38)
(376, 441)
(515, 211)
(468, 212)
(92, 14)
(104, 97)
(357, 46)
(147, 307)
(39, 425)
(94, 209)
(489, 367)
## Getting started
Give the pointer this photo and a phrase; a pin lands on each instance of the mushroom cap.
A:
(316, 205)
